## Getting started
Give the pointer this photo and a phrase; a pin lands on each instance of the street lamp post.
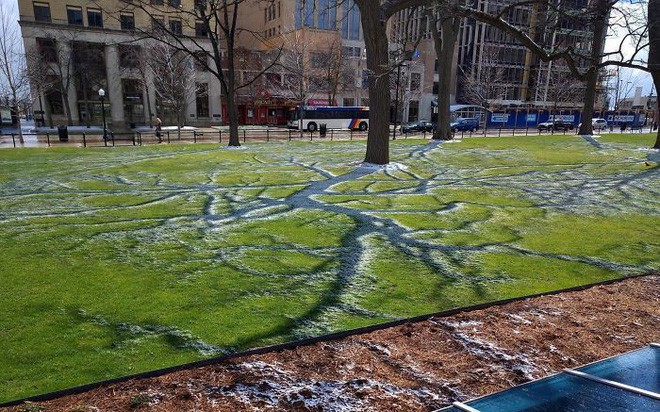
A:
(105, 131)
(396, 100)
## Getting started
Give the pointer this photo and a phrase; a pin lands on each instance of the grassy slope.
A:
(124, 260)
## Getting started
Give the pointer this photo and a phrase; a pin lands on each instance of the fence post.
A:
(219, 136)
(499, 133)
(133, 139)
(268, 134)
(112, 135)
(13, 139)
(289, 134)
(168, 137)
(84, 140)
(243, 135)
(351, 134)
(194, 136)
(311, 134)
(332, 134)
(48, 139)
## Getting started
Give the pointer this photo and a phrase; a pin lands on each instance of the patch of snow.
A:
(519, 319)
(275, 388)
(386, 167)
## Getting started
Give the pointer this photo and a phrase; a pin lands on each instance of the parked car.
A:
(555, 125)
(418, 126)
(465, 125)
(597, 124)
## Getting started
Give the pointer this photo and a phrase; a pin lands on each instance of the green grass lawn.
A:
(122, 260)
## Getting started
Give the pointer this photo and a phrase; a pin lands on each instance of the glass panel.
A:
(640, 369)
(565, 393)
(309, 13)
(74, 16)
(94, 18)
(42, 12)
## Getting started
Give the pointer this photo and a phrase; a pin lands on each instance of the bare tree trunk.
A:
(178, 124)
(374, 25)
(17, 111)
(654, 56)
(601, 15)
(67, 107)
(445, 43)
(232, 110)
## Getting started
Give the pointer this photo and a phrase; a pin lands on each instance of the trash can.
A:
(323, 129)
(63, 132)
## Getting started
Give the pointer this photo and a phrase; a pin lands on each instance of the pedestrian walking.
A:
(159, 125)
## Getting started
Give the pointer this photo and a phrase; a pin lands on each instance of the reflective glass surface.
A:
(640, 369)
(565, 393)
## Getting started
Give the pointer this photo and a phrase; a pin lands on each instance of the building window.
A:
(42, 12)
(47, 49)
(157, 23)
(413, 111)
(201, 61)
(54, 102)
(317, 60)
(74, 15)
(94, 18)
(201, 30)
(415, 81)
(350, 27)
(129, 56)
(309, 13)
(202, 99)
(176, 27)
(327, 15)
(132, 90)
(274, 80)
(127, 21)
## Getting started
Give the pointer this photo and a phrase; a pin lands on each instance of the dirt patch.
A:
(414, 367)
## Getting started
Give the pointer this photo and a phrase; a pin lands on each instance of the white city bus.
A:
(334, 117)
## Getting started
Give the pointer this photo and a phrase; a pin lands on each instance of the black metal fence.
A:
(149, 137)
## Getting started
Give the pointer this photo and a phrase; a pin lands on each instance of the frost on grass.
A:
(129, 333)
(261, 219)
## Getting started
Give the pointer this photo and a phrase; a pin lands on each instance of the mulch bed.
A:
(418, 366)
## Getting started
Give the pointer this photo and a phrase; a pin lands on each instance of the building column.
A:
(215, 100)
(114, 92)
(72, 92)
(149, 99)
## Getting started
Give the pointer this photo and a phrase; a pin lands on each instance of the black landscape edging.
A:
(306, 342)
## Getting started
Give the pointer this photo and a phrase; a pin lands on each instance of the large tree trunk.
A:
(67, 106)
(17, 111)
(232, 110)
(445, 43)
(654, 55)
(601, 15)
(374, 25)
